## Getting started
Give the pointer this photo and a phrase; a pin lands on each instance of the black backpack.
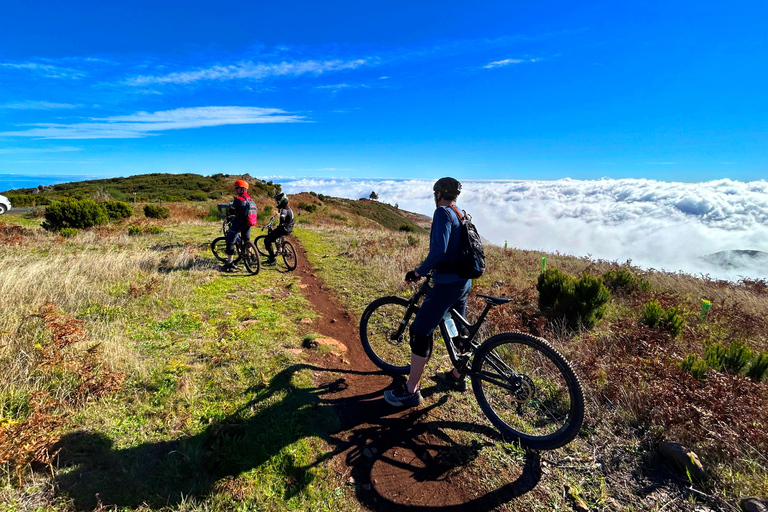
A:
(471, 262)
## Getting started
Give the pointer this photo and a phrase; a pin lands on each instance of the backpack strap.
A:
(461, 217)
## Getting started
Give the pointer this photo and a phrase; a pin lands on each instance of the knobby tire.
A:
(547, 410)
(380, 320)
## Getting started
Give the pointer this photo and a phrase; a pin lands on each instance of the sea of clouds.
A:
(660, 225)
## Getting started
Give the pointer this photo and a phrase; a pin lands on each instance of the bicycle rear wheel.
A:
(289, 256)
(260, 243)
(528, 390)
(219, 250)
(378, 326)
(251, 258)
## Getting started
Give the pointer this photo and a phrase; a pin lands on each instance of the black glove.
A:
(411, 276)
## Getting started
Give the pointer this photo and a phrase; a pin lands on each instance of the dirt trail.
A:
(395, 459)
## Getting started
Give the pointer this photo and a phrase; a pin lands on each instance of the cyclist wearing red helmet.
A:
(285, 227)
(450, 290)
(239, 211)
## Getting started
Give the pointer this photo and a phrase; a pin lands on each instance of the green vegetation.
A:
(154, 211)
(74, 213)
(141, 188)
(654, 315)
(623, 279)
(383, 214)
(581, 302)
(117, 210)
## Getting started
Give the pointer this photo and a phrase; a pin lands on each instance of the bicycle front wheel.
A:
(528, 390)
(219, 249)
(289, 256)
(251, 259)
(378, 334)
(261, 245)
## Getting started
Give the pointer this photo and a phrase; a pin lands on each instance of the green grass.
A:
(213, 413)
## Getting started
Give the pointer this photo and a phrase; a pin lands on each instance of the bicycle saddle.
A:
(496, 301)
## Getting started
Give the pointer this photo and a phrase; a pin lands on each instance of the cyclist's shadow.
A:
(94, 473)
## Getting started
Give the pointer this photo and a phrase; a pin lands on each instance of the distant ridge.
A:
(735, 259)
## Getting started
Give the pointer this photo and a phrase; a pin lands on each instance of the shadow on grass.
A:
(94, 474)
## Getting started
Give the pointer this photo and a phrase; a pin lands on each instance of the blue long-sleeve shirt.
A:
(444, 240)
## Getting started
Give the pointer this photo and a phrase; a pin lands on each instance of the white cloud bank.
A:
(144, 124)
(655, 224)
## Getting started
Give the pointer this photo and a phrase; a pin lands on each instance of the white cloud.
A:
(62, 149)
(143, 124)
(249, 70)
(655, 224)
(507, 62)
(37, 105)
(47, 70)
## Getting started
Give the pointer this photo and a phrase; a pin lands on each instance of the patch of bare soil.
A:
(396, 459)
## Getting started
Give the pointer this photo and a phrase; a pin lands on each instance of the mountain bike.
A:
(244, 251)
(283, 248)
(523, 385)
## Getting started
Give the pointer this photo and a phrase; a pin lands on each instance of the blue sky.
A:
(671, 91)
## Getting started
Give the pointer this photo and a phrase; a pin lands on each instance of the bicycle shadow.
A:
(94, 473)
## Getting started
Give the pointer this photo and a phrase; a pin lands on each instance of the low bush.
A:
(654, 315)
(407, 228)
(579, 301)
(117, 210)
(68, 232)
(696, 365)
(74, 213)
(155, 211)
(623, 279)
(758, 370)
(153, 230)
(134, 230)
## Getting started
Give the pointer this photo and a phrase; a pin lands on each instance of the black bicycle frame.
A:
(511, 378)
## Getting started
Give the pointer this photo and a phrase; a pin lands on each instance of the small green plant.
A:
(696, 365)
(654, 315)
(153, 230)
(580, 301)
(737, 357)
(407, 228)
(337, 216)
(413, 241)
(623, 279)
(213, 214)
(155, 211)
(714, 355)
(117, 210)
(265, 214)
(758, 370)
(134, 230)
(68, 232)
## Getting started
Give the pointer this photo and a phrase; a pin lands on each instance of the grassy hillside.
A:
(134, 370)
(142, 188)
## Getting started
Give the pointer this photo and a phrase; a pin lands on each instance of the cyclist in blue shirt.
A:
(449, 291)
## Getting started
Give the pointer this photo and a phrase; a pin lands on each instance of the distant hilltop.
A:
(736, 259)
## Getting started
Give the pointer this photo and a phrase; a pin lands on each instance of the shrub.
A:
(374, 196)
(68, 232)
(155, 211)
(714, 355)
(580, 302)
(73, 213)
(759, 368)
(654, 315)
(308, 207)
(153, 230)
(313, 193)
(407, 228)
(623, 279)
(265, 214)
(737, 357)
(198, 196)
(134, 230)
(697, 366)
(117, 210)
(413, 241)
